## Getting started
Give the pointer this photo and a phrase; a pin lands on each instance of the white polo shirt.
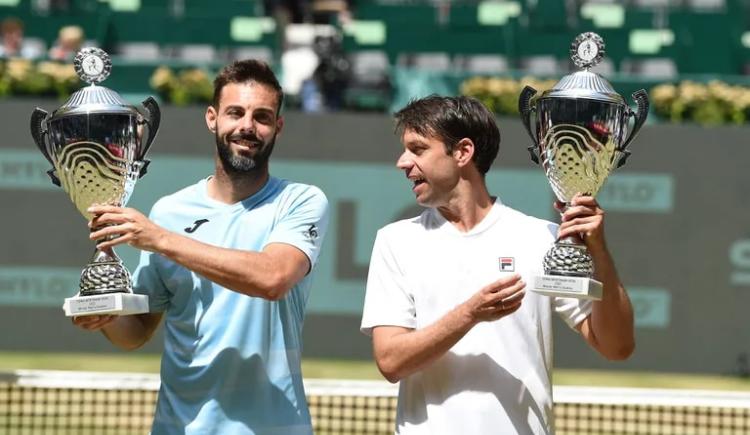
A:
(496, 379)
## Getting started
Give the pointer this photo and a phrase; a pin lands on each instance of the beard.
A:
(237, 164)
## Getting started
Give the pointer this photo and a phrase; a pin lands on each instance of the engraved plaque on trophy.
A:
(580, 134)
(96, 144)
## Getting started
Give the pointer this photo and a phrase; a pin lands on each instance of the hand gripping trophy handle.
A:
(105, 272)
(96, 143)
(579, 135)
(569, 256)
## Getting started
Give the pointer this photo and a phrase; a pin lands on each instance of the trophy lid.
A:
(93, 66)
(587, 50)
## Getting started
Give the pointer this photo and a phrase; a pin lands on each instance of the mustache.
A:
(245, 136)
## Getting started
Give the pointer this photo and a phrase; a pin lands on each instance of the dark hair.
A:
(451, 119)
(243, 71)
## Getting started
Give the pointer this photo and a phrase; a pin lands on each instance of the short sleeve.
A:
(146, 281)
(305, 223)
(572, 310)
(146, 278)
(388, 301)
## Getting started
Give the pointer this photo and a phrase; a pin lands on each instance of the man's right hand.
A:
(401, 351)
(496, 300)
(93, 323)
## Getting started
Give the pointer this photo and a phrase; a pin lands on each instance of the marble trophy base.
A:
(108, 303)
(568, 286)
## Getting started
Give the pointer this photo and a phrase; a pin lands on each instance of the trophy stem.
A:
(104, 274)
(569, 257)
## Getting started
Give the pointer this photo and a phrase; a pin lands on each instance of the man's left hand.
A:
(127, 225)
(584, 218)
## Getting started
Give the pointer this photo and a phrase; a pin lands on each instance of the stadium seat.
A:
(706, 5)
(653, 4)
(249, 52)
(138, 51)
(430, 61)
(199, 53)
(481, 64)
(370, 87)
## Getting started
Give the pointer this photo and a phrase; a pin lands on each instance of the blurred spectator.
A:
(13, 42)
(333, 72)
(69, 41)
(311, 100)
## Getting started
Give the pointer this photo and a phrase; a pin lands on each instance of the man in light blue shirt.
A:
(227, 263)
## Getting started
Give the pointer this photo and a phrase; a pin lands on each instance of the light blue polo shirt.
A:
(231, 362)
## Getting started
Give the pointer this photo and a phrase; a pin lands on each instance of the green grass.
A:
(149, 363)
(340, 369)
(92, 362)
(346, 369)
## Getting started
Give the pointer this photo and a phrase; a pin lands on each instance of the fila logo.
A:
(507, 264)
(195, 226)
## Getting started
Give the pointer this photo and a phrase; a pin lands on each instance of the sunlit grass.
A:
(340, 369)
(91, 362)
(650, 380)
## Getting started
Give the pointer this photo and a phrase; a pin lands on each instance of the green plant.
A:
(64, 78)
(24, 77)
(500, 95)
(186, 87)
(712, 103)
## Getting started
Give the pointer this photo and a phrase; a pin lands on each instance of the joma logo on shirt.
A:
(195, 226)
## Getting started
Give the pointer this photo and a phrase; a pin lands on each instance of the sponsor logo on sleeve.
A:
(312, 232)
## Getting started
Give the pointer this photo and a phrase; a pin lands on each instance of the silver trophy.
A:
(96, 144)
(580, 134)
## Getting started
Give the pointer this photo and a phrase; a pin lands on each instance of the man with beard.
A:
(227, 263)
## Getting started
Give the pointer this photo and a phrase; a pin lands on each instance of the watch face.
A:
(588, 50)
(92, 65)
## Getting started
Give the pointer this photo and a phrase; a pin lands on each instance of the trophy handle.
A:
(152, 120)
(524, 106)
(38, 131)
(641, 99)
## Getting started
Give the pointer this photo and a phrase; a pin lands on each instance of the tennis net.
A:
(80, 403)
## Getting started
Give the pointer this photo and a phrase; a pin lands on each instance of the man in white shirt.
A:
(446, 303)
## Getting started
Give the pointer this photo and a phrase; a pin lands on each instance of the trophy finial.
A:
(587, 50)
(92, 65)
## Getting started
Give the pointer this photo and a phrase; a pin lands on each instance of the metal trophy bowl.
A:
(580, 134)
(97, 145)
